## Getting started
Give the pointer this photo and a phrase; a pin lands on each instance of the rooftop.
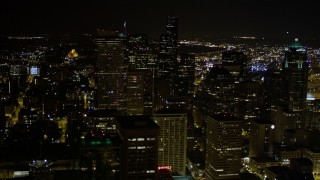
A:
(171, 111)
(102, 113)
(263, 159)
(225, 117)
(136, 122)
(262, 121)
(296, 45)
(302, 161)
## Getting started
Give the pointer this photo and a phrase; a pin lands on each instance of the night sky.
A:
(267, 18)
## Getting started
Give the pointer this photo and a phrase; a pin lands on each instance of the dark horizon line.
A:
(231, 37)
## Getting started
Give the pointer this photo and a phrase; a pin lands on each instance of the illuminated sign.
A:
(34, 70)
(164, 167)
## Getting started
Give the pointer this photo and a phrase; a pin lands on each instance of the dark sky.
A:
(269, 18)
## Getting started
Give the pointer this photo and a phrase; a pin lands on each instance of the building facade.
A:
(172, 140)
(139, 147)
(223, 147)
(111, 71)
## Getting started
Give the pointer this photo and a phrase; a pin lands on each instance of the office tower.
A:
(295, 77)
(294, 88)
(172, 140)
(168, 53)
(312, 114)
(289, 115)
(136, 45)
(261, 138)
(141, 55)
(111, 71)
(135, 91)
(148, 92)
(272, 89)
(184, 86)
(236, 63)
(285, 123)
(101, 123)
(172, 28)
(161, 93)
(17, 78)
(218, 89)
(100, 157)
(249, 101)
(140, 92)
(223, 147)
(139, 147)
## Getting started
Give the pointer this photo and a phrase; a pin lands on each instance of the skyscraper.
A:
(223, 147)
(184, 86)
(139, 147)
(272, 87)
(312, 114)
(111, 70)
(295, 77)
(168, 52)
(141, 54)
(218, 89)
(261, 138)
(172, 139)
(249, 101)
(288, 116)
(236, 63)
(135, 91)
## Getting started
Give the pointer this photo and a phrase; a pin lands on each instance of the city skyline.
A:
(159, 90)
(266, 18)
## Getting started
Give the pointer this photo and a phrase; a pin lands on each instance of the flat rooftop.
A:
(224, 117)
(136, 122)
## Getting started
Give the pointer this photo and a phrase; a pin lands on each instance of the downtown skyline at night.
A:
(162, 90)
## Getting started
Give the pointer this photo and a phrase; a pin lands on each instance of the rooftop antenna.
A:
(125, 27)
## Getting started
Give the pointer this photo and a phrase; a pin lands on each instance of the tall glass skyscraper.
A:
(295, 77)
(111, 71)
(168, 52)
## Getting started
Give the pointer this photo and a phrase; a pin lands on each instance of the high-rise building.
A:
(100, 156)
(295, 77)
(288, 115)
(111, 71)
(272, 89)
(135, 91)
(223, 147)
(236, 63)
(261, 137)
(140, 92)
(101, 122)
(172, 28)
(141, 55)
(168, 52)
(312, 114)
(249, 101)
(161, 93)
(172, 140)
(139, 147)
(218, 89)
(184, 86)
